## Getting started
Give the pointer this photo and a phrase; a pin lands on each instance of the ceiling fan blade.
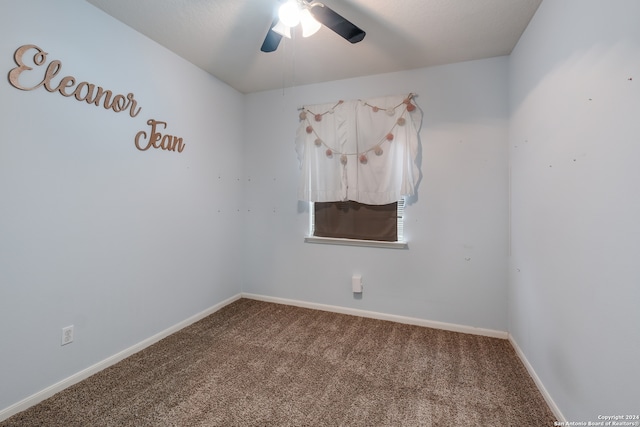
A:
(335, 22)
(272, 39)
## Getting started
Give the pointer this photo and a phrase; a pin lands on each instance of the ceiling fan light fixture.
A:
(313, 15)
(282, 29)
(289, 13)
(309, 24)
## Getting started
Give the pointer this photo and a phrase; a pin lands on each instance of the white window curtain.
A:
(361, 150)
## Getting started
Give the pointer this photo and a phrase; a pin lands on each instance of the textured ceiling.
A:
(223, 37)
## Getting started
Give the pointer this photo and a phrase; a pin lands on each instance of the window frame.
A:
(400, 243)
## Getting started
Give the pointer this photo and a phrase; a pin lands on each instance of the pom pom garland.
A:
(377, 148)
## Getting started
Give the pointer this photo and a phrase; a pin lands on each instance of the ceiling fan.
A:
(312, 15)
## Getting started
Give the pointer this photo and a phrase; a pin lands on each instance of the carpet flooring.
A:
(254, 363)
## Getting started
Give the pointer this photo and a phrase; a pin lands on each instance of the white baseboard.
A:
(426, 323)
(86, 373)
(547, 397)
(382, 316)
(73, 379)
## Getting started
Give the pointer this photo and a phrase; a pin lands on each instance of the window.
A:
(358, 161)
(353, 223)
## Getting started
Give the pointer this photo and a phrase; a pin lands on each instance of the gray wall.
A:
(574, 284)
(455, 270)
(118, 242)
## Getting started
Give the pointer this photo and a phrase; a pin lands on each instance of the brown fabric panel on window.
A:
(353, 220)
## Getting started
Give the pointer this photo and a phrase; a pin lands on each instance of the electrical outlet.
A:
(67, 335)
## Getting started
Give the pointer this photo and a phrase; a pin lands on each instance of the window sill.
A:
(354, 242)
